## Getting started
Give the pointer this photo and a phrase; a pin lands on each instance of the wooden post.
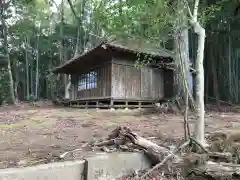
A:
(97, 105)
(126, 105)
(139, 105)
(111, 105)
(86, 105)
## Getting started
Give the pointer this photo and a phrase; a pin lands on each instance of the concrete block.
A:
(109, 166)
(54, 171)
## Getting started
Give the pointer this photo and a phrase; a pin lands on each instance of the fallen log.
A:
(168, 157)
(124, 136)
(196, 166)
(212, 170)
(220, 157)
(155, 152)
(117, 141)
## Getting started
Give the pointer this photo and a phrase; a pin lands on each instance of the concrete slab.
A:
(54, 171)
(109, 166)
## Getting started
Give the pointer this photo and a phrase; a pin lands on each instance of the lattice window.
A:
(91, 80)
(87, 81)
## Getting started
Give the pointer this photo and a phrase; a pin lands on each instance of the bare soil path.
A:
(35, 132)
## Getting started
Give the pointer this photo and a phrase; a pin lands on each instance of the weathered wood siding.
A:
(120, 79)
(157, 84)
(129, 82)
(103, 88)
(73, 93)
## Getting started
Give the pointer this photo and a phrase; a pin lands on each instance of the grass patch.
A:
(10, 126)
(109, 124)
(33, 122)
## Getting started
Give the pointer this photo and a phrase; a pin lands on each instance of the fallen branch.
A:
(165, 159)
(117, 141)
(212, 170)
(199, 144)
(200, 164)
(221, 157)
(37, 162)
(65, 153)
(123, 138)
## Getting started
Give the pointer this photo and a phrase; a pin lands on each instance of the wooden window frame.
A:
(87, 81)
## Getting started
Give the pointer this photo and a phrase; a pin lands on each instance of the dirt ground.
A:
(28, 132)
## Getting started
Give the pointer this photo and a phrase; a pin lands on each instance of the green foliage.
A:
(4, 86)
(209, 11)
(150, 21)
(145, 19)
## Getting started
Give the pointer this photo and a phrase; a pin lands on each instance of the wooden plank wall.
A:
(129, 82)
(157, 84)
(152, 83)
(118, 81)
(103, 83)
(146, 83)
(73, 87)
(121, 80)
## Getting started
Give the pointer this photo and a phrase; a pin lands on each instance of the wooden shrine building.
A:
(106, 76)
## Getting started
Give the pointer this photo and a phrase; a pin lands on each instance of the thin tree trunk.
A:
(77, 43)
(61, 32)
(82, 40)
(65, 78)
(199, 126)
(27, 68)
(50, 93)
(229, 67)
(5, 34)
(67, 82)
(207, 93)
(11, 81)
(37, 75)
(16, 83)
(215, 81)
(200, 31)
(90, 26)
(31, 80)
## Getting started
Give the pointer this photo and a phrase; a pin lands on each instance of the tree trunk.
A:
(211, 170)
(199, 125)
(124, 135)
(11, 80)
(230, 67)
(31, 80)
(182, 51)
(200, 31)
(16, 83)
(67, 86)
(27, 68)
(65, 77)
(77, 43)
(5, 34)
(37, 75)
(215, 81)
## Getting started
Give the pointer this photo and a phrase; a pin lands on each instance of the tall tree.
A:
(200, 31)
(181, 31)
(27, 67)
(3, 5)
(37, 68)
